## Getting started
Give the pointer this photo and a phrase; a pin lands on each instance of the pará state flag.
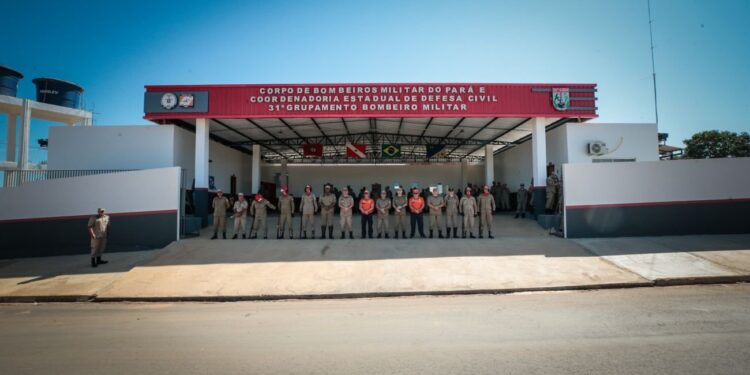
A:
(356, 150)
(436, 150)
(313, 149)
(390, 151)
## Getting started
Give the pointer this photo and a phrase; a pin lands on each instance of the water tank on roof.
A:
(9, 81)
(58, 92)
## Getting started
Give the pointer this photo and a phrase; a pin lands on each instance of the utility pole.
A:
(653, 65)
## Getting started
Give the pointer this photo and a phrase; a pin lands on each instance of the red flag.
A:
(356, 150)
(313, 149)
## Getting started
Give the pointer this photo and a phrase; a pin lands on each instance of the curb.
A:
(46, 299)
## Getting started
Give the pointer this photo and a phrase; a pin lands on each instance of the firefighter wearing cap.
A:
(258, 210)
(486, 205)
(240, 215)
(383, 206)
(346, 205)
(327, 205)
(416, 207)
(286, 212)
(551, 190)
(366, 209)
(451, 213)
(522, 196)
(468, 207)
(399, 207)
(98, 227)
(307, 206)
(436, 204)
(220, 205)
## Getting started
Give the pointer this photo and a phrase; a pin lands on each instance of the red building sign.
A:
(371, 100)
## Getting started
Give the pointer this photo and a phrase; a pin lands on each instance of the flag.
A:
(390, 151)
(436, 150)
(356, 150)
(313, 149)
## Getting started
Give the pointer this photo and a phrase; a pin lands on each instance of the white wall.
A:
(568, 144)
(110, 147)
(385, 174)
(121, 192)
(638, 141)
(143, 147)
(656, 181)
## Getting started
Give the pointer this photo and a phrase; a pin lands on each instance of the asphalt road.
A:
(674, 330)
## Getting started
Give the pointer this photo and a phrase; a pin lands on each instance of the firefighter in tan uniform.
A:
(436, 204)
(346, 205)
(240, 215)
(220, 204)
(551, 191)
(327, 204)
(486, 205)
(504, 197)
(522, 196)
(468, 207)
(308, 205)
(98, 227)
(451, 213)
(258, 209)
(383, 208)
(286, 212)
(399, 207)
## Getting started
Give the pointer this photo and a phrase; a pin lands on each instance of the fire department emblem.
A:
(187, 100)
(561, 98)
(168, 100)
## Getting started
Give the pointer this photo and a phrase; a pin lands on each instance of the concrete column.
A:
(464, 175)
(200, 194)
(255, 179)
(201, 153)
(10, 153)
(539, 162)
(23, 146)
(489, 165)
(285, 172)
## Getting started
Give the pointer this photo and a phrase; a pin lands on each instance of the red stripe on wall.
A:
(647, 204)
(74, 217)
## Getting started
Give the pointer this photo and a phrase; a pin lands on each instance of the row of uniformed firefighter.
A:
(378, 210)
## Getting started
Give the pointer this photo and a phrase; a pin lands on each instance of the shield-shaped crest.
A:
(186, 100)
(561, 98)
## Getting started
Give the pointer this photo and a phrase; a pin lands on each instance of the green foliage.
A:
(717, 144)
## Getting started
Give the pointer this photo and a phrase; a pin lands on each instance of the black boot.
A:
(313, 235)
(395, 234)
(516, 217)
(447, 233)
(440, 234)
(330, 232)
(523, 215)
(430, 233)
(100, 261)
(243, 236)
(304, 235)
(235, 236)
(351, 235)
(463, 234)
(224, 235)
(471, 235)
(379, 235)
(489, 235)
(480, 235)
(455, 232)
(342, 235)
(93, 262)
(370, 236)
(322, 232)
(403, 234)
(214, 237)
(386, 235)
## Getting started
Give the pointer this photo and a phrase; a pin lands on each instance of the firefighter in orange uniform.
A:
(366, 209)
(416, 206)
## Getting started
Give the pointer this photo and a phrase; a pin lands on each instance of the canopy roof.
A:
(281, 118)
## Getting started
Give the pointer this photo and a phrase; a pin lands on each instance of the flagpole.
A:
(653, 65)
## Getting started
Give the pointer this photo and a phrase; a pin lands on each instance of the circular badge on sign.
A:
(168, 100)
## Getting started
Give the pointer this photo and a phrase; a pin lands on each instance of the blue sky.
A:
(113, 49)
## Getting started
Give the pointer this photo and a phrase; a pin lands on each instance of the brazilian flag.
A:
(390, 151)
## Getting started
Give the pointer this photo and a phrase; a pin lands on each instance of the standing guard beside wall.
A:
(258, 209)
(451, 213)
(98, 227)
(327, 206)
(220, 204)
(436, 204)
(286, 212)
(399, 206)
(383, 205)
(486, 204)
(307, 206)
(346, 205)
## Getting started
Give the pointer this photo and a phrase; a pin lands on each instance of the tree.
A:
(717, 144)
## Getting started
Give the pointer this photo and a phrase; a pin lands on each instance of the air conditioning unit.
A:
(597, 148)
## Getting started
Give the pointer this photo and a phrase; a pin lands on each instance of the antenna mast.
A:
(653, 65)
